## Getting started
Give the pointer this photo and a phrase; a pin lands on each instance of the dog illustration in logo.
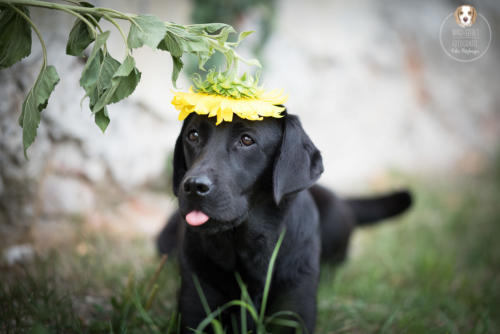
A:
(465, 16)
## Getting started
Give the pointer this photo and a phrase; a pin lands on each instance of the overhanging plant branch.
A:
(105, 79)
(79, 9)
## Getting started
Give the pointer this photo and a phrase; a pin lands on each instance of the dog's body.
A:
(241, 184)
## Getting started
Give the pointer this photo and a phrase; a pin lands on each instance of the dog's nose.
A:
(197, 185)
(466, 19)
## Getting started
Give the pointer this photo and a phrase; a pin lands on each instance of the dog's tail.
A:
(372, 209)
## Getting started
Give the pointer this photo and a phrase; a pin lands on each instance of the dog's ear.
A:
(298, 163)
(474, 14)
(457, 19)
(179, 161)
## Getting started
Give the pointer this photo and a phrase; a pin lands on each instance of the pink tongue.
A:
(196, 218)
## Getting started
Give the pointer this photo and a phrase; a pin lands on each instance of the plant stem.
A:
(81, 17)
(113, 22)
(79, 9)
(95, 22)
(72, 2)
(33, 26)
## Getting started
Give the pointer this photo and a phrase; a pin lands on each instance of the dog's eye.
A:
(193, 135)
(461, 12)
(247, 140)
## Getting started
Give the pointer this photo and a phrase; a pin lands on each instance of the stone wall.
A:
(74, 169)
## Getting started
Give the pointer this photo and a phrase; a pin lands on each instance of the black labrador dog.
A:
(239, 185)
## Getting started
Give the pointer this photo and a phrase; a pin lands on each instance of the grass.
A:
(436, 270)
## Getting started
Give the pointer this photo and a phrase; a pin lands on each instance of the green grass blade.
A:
(269, 276)
(203, 299)
(245, 297)
(144, 315)
(275, 319)
(212, 316)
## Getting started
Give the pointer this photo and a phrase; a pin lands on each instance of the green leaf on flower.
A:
(35, 102)
(224, 33)
(226, 84)
(241, 36)
(147, 29)
(15, 36)
(252, 62)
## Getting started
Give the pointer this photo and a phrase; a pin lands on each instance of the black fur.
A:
(251, 194)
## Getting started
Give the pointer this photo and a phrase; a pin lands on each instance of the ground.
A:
(434, 270)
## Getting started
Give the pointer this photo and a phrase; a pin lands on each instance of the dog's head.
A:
(465, 15)
(220, 172)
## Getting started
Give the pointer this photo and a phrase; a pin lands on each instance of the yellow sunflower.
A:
(255, 109)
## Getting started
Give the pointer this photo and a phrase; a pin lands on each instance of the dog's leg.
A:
(191, 308)
(336, 224)
(299, 299)
(339, 217)
(169, 238)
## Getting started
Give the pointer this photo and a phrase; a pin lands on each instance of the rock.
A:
(68, 158)
(66, 195)
(18, 253)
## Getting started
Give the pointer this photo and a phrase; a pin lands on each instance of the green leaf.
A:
(224, 33)
(106, 71)
(209, 27)
(251, 62)
(243, 35)
(102, 119)
(81, 34)
(86, 4)
(90, 72)
(178, 64)
(148, 29)
(172, 44)
(15, 37)
(107, 81)
(35, 102)
(196, 44)
(123, 83)
(192, 42)
(126, 79)
(79, 38)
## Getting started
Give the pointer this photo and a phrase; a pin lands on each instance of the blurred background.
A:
(375, 92)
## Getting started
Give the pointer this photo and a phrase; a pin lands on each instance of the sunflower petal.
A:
(223, 107)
